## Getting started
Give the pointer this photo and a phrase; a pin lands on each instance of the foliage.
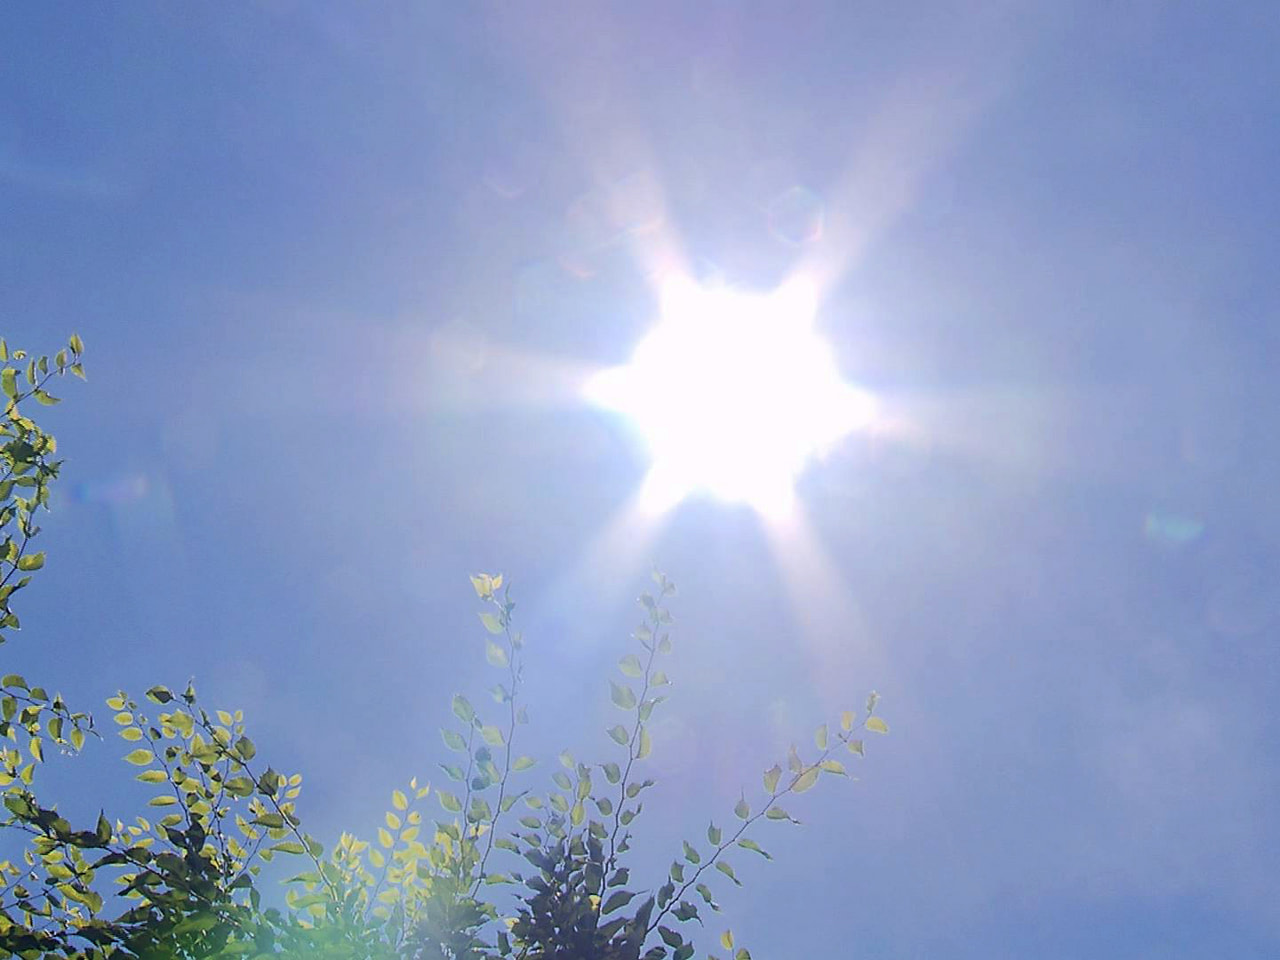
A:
(483, 881)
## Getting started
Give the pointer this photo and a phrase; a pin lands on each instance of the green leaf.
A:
(741, 809)
(152, 776)
(726, 939)
(9, 382)
(630, 666)
(32, 561)
(846, 721)
(163, 801)
(462, 709)
(876, 725)
(777, 813)
(691, 854)
(806, 780)
(76, 344)
(492, 622)
(855, 746)
(612, 772)
(523, 763)
(771, 778)
(794, 763)
(496, 654)
(713, 835)
(670, 937)
(820, 737)
(724, 867)
(45, 399)
(748, 844)
(623, 696)
(834, 766)
(493, 736)
(454, 741)
(140, 757)
(645, 744)
(399, 800)
(449, 801)
(619, 734)
(616, 900)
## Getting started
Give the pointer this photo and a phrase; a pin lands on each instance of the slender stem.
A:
(506, 769)
(611, 860)
(841, 738)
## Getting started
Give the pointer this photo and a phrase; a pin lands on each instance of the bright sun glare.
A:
(735, 393)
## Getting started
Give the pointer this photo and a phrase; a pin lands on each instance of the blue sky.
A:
(334, 265)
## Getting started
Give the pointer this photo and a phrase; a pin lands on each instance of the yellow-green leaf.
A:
(806, 780)
(140, 757)
(771, 778)
(496, 654)
(876, 725)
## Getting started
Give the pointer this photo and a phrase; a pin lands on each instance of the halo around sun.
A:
(735, 394)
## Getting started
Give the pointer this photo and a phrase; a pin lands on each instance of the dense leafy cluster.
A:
(505, 871)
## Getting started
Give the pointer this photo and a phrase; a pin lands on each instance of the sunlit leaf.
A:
(806, 780)
(771, 778)
(623, 696)
(724, 867)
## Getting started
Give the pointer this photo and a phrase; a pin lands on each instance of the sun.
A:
(735, 394)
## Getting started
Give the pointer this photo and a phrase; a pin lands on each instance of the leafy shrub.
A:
(508, 871)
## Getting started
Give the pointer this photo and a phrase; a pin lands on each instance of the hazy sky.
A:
(339, 267)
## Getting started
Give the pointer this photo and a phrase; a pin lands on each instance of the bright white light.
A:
(734, 393)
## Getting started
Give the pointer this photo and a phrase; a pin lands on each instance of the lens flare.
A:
(735, 393)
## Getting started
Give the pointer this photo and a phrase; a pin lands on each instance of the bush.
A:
(508, 871)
